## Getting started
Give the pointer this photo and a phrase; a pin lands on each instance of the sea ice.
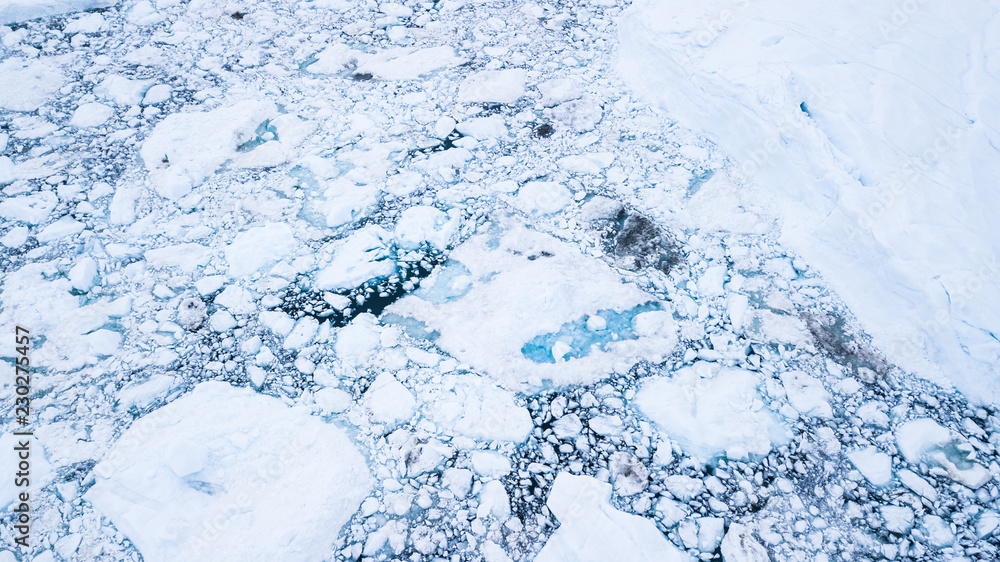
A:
(186, 148)
(225, 473)
(524, 284)
(493, 86)
(36, 81)
(709, 409)
(590, 529)
(861, 146)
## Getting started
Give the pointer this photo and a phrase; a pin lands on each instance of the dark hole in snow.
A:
(373, 297)
(237, 15)
(833, 336)
(805, 109)
(447, 143)
(543, 131)
(637, 243)
(362, 76)
(77, 471)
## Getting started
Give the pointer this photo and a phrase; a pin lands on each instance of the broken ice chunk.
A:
(543, 197)
(937, 531)
(874, 465)
(424, 224)
(493, 86)
(806, 394)
(739, 545)
(186, 148)
(897, 519)
(389, 401)
(589, 163)
(36, 81)
(710, 409)
(406, 63)
(490, 464)
(519, 286)
(363, 256)
(83, 275)
(90, 115)
(628, 475)
(472, 406)
(924, 440)
(559, 90)
(918, 484)
(493, 501)
(297, 480)
(259, 247)
(483, 127)
(591, 530)
(578, 115)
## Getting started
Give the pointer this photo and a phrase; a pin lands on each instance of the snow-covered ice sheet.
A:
(227, 474)
(871, 128)
(13, 11)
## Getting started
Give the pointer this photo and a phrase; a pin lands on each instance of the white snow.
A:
(471, 406)
(259, 247)
(91, 115)
(876, 466)
(225, 473)
(872, 146)
(807, 394)
(590, 529)
(37, 82)
(389, 401)
(709, 409)
(493, 86)
(186, 148)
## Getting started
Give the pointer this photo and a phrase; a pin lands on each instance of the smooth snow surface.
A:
(184, 482)
(872, 129)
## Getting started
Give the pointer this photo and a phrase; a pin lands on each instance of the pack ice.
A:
(227, 474)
